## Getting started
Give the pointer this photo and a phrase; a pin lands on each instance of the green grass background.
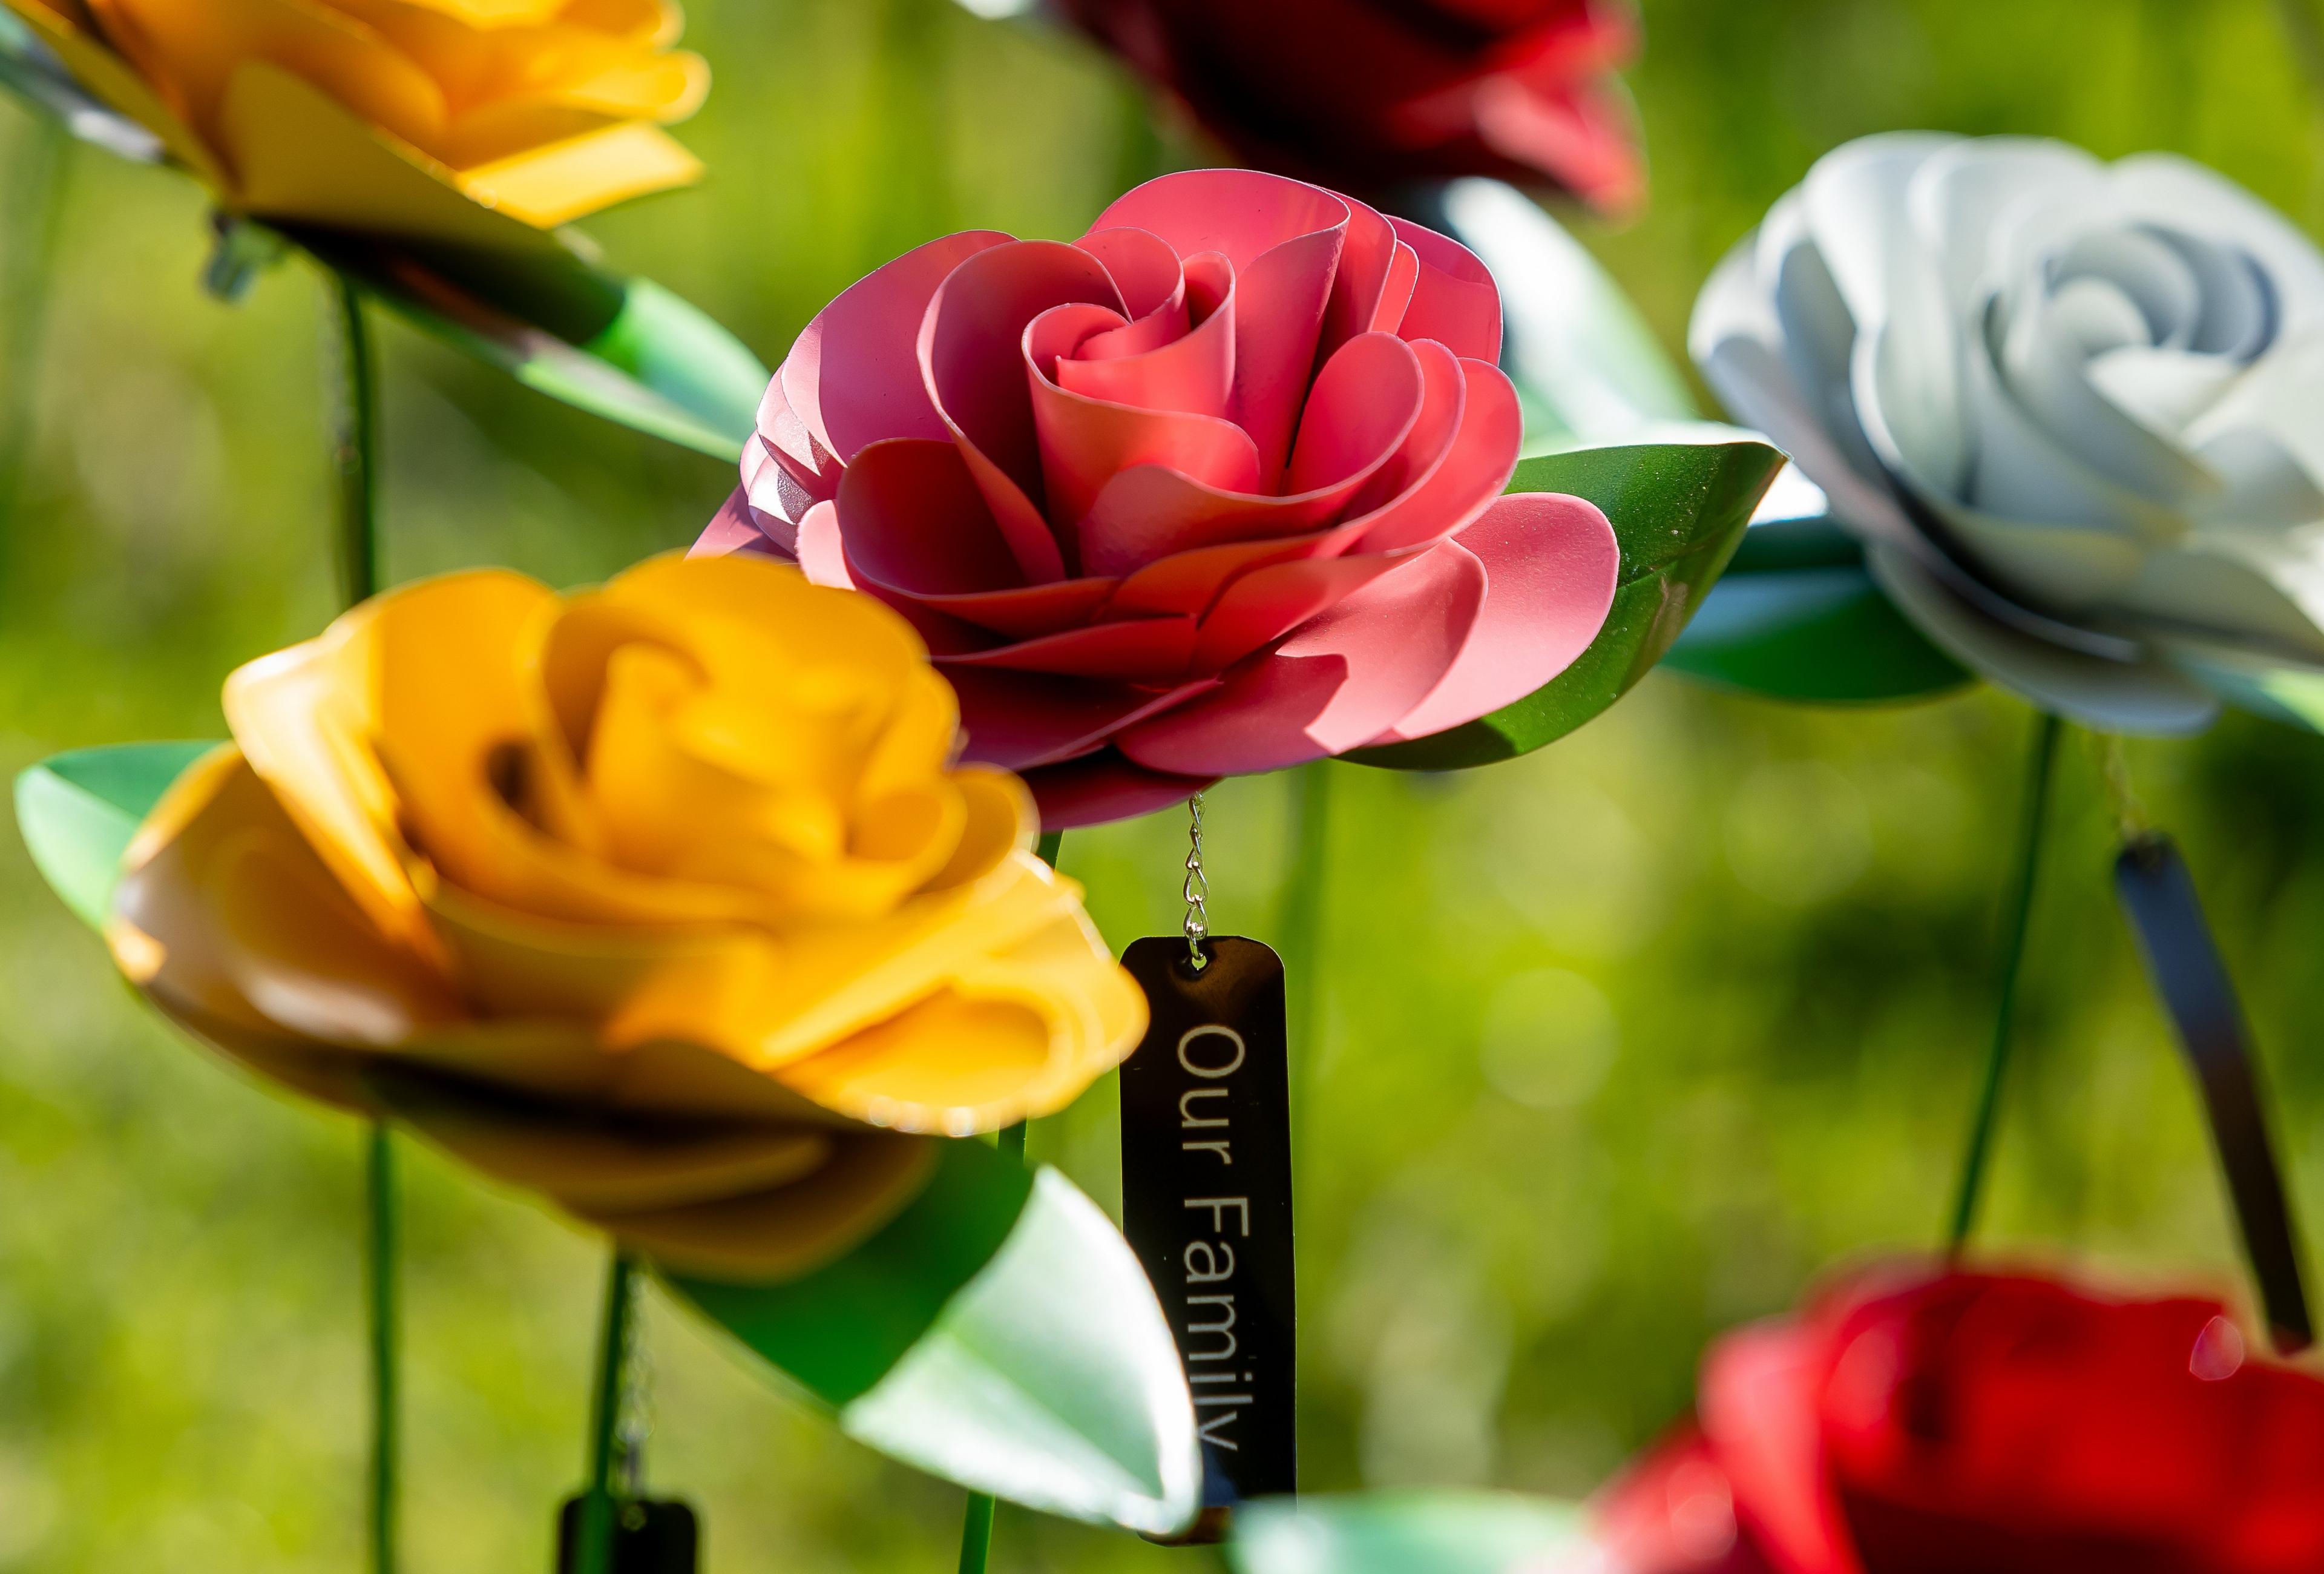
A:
(1620, 1043)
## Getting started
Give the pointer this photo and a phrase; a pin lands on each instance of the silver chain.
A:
(1196, 888)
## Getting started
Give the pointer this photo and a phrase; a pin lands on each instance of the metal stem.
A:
(594, 1554)
(976, 1525)
(976, 1535)
(2038, 773)
(379, 1282)
(355, 444)
(37, 186)
(355, 441)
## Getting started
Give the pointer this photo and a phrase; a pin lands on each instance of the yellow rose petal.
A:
(581, 1160)
(300, 156)
(237, 928)
(554, 185)
(657, 901)
(191, 49)
(787, 1231)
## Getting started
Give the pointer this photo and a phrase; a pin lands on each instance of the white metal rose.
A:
(2075, 411)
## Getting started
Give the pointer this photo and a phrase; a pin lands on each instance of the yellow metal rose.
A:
(665, 900)
(408, 118)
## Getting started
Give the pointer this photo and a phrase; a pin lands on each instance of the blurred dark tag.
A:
(1206, 1201)
(2184, 963)
(649, 1537)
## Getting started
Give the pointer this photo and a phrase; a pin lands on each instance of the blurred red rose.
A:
(1359, 93)
(1215, 490)
(1981, 1422)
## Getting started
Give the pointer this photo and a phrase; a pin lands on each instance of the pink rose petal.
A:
(1242, 213)
(1143, 267)
(1086, 442)
(734, 528)
(1150, 650)
(1191, 581)
(1551, 565)
(820, 552)
(1363, 412)
(1104, 787)
(1285, 240)
(971, 362)
(1263, 606)
(1018, 720)
(1475, 467)
(1453, 301)
(1337, 683)
(1361, 407)
(1192, 373)
(853, 375)
(1363, 290)
(917, 524)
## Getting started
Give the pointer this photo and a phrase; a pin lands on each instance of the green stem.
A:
(380, 1259)
(355, 441)
(37, 186)
(1301, 931)
(2038, 772)
(355, 444)
(976, 1526)
(594, 1553)
(976, 1535)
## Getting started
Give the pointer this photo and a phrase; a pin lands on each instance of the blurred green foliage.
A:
(1620, 1043)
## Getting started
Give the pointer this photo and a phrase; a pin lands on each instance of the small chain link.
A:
(2130, 813)
(1196, 888)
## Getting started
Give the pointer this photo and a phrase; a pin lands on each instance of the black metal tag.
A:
(649, 1537)
(2158, 893)
(1206, 1201)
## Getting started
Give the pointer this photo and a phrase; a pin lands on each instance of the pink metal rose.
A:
(1215, 490)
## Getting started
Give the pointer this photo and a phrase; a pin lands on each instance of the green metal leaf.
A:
(1678, 509)
(997, 1333)
(77, 813)
(1410, 1532)
(1798, 616)
(625, 349)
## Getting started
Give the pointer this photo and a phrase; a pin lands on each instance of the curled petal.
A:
(1181, 362)
(737, 527)
(1086, 441)
(853, 375)
(2143, 694)
(1454, 299)
(1022, 720)
(1152, 650)
(1337, 683)
(1147, 272)
(1552, 564)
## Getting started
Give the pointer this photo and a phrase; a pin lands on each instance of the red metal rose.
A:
(2008, 1425)
(1359, 93)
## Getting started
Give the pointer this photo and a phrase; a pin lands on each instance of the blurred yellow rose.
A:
(418, 118)
(665, 900)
